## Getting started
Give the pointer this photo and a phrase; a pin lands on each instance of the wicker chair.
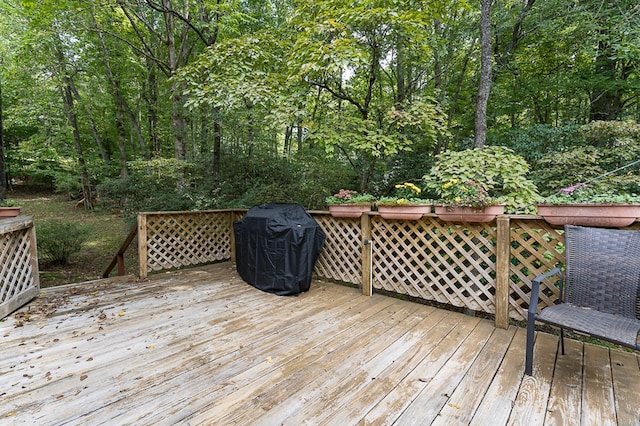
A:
(599, 292)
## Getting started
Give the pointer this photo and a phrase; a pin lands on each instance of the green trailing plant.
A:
(495, 174)
(9, 203)
(348, 196)
(582, 193)
(58, 241)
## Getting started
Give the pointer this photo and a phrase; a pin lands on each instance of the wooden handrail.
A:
(118, 259)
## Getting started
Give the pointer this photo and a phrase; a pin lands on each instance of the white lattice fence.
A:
(536, 247)
(18, 264)
(437, 261)
(178, 239)
(341, 257)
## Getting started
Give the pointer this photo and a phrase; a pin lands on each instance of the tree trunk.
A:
(177, 112)
(299, 137)
(69, 106)
(120, 100)
(122, 136)
(152, 109)
(3, 171)
(217, 143)
(484, 85)
(400, 84)
(606, 99)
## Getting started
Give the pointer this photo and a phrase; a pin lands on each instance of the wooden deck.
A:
(202, 347)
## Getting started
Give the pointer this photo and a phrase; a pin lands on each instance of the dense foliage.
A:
(205, 104)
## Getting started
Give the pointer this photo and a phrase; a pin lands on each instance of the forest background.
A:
(196, 104)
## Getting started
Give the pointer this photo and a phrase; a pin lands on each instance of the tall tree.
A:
(3, 172)
(69, 103)
(484, 85)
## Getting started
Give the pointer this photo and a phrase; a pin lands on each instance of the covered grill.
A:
(277, 246)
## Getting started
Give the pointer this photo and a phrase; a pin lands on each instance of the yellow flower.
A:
(450, 183)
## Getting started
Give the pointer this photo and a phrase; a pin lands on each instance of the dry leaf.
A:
(83, 377)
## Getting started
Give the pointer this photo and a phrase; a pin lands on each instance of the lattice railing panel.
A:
(176, 240)
(341, 257)
(536, 248)
(19, 280)
(444, 262)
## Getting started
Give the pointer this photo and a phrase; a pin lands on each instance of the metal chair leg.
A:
(528, 368)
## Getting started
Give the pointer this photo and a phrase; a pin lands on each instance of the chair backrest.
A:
(603, 269)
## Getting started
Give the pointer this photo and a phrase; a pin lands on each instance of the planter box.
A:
(348, 210)
(6, 212)
(406, 211)
(469, 214)
(603, 215)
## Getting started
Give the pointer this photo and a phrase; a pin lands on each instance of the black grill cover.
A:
(277, 246)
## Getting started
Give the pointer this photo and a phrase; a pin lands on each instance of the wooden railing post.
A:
(142, 244)
(367, 248)
(232, 240)
(503, 262)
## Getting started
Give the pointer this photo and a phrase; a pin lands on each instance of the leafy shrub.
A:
(58, 241)
(497, 170)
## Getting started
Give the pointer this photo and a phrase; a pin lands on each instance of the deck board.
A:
(202, 347)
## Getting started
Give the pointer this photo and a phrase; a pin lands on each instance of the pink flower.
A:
(570, 189)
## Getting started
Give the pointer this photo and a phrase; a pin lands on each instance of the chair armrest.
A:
(535, 288)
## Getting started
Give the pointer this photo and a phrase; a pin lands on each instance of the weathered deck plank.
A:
(202, 347)
(500, 397)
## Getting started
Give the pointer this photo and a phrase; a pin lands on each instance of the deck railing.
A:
(19, 280)
(482, 267)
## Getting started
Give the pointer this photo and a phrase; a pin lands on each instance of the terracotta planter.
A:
(348, 210)
(6, 212)
(602, 215)
(405, 211)
(469, 214)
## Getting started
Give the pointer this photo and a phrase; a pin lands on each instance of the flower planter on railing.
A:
(469, 214)
(6, 212)
(348, 210)
(602, 215)
(405, 211)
